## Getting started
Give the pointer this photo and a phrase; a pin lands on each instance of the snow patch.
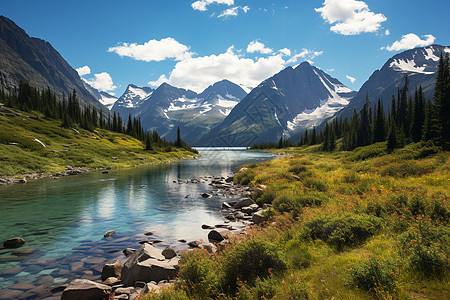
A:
(138, 92)
(408, 66)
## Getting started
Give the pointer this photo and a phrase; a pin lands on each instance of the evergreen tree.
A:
(418, 118)
(178, 142)
(442, 102)
(392, 137)
(326, 138)
(364, 134)
(379, 131)
(313, 136)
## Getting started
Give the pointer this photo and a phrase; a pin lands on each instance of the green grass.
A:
(21, 154)
(347, 225)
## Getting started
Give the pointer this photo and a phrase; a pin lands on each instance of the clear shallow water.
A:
(63, 220)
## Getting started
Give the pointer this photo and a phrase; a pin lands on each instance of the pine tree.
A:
(326, 138)
(313, 136)
(418, 118)
(379, 131)
(178, 142)
(364, 134)
(442, 102)
(392, 137)
(332, 141)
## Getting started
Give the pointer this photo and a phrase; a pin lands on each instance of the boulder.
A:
(239, 215)
(148, 264)
(204, 226)
(169, 253)
(243, 202)
(247, 210)
(211, 248)
(148, 233)
(86, 289)
(194, 244)
(259, 217)
(225, 205)
(14, 243)
(124, 290)
(128, 251)
(217, 235)
(206, 195)
(112, 270)
(254, 207)
(111, 281)
(229, 179)
(109, 233)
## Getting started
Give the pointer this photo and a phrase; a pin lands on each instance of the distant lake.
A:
(63, 220)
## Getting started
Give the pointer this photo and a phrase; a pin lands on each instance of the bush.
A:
(315, 184)
(428, 261)
(375, 276)
(342, 231)
(297, 254)
(198, 273)
(248, 261)
(167, 294)
(298, 169)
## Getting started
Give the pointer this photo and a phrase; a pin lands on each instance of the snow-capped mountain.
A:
(104, 98)
(131, 100)
(107, 100)
(281, 106)
(168, 107)
(420, 64)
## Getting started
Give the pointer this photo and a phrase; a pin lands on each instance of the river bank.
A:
(144, 195)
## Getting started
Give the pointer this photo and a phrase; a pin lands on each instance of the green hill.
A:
(21, 154)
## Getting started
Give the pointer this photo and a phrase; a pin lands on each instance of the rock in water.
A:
(112, 270)
(14, 243)
(148, 264)
(109, 233)
(86, 289)
(128, 251)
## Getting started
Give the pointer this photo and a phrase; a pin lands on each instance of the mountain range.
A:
(284, 105)
(167, 108)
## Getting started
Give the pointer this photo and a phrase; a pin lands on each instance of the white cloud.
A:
(352, 79)
(331, 70)
(153, 50)
(305, 54)
(387, 32)
(285, 52)
(83, 71)
(102, 82)
(233, 12)
(410, 41)
(350, 17)
(256, 46)
(197, 73)
(201, 5)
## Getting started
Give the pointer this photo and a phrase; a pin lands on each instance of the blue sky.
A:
(192, 43)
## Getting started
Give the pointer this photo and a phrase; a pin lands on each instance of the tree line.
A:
(72, 114)
(408, 120)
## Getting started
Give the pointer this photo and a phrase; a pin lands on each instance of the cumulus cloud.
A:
(153, 50)
(352, 79)
(202, 5)
(83, 71)
(410, 41)
(197, 73)
(387, 32)
(350, 17)
(102, 82)
(233, 12)
(256, 46)
(306, 54)
(285, 51)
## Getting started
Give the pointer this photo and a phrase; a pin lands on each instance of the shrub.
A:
(266, 197)
(167, 294)
(347, 230)
(428, 261)
(375, 276)
(248, 261)
(298, 169)
(315, 183)
(198, 273)
(297, 254)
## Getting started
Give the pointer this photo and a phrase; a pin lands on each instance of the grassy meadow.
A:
(363, 224)
(20, 154)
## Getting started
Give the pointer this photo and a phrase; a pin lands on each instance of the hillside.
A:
(21, 154)
(344, 225)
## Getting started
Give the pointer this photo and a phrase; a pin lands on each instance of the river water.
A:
(63, 220)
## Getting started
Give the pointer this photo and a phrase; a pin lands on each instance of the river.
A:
(63, 220)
